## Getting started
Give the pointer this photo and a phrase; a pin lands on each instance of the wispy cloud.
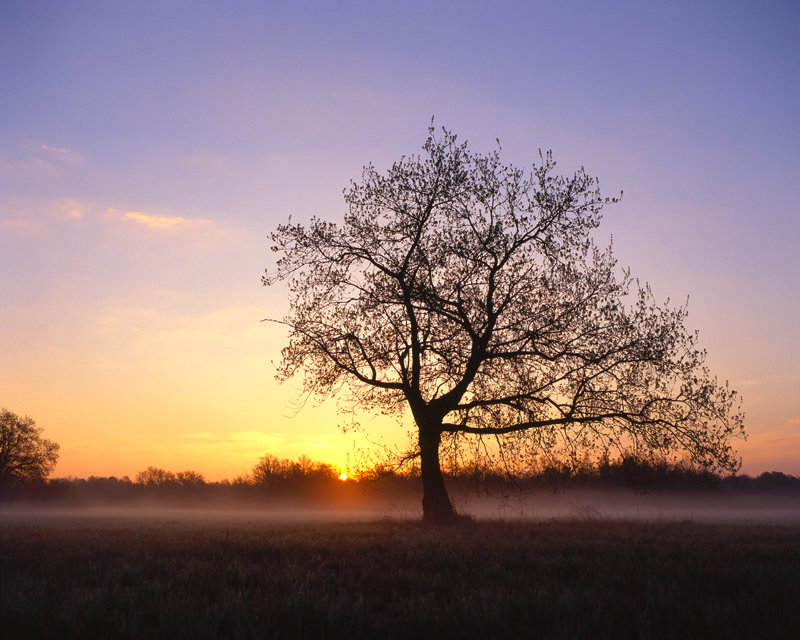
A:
(50, 153)
(152, 221)
(241, 445)
(72, 208)
(45, 147)
(768, 380)
(25, 214)
(229, 437)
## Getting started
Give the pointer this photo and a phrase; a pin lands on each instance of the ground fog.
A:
(540, 505)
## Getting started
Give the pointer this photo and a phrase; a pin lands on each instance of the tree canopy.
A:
(25, 456)
(471, 293)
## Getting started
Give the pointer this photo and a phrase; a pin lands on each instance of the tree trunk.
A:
(436, 505)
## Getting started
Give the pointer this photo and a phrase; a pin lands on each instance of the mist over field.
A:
(540, 505)
(293, 573)
(652, 552)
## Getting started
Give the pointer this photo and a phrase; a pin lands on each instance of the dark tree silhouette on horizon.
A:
(25, 456)
(470, 293)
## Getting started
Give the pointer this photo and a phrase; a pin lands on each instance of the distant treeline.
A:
(274, 478)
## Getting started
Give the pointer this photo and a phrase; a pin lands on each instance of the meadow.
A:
(250, 576)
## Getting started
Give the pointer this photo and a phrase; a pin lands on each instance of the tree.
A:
(156, 477)
(24, 455)
(270, 468)
(190, 478)
(471, 293)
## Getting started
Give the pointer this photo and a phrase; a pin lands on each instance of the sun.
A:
(342, 477)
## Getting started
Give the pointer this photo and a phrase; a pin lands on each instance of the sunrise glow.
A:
(139, 183)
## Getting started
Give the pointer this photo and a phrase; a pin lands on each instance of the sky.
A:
(148, 149)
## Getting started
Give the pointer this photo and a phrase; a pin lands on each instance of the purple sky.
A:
(147, 150)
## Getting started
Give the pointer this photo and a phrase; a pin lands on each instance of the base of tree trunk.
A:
(441, 513)
(436, 506)
(445, 519)
(438, 517)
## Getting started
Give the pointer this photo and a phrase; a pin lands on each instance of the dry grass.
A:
(397, 579)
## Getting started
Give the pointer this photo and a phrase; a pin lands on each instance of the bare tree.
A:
(190, 478)
(24, 455)
(156, 477)
(471, 293)
(270, 468)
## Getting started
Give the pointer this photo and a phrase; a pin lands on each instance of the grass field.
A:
(72, 576)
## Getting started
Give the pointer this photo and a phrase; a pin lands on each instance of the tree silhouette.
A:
(270, 468)
(156, 477)
(470, 293)
(24, 455)
(190, 478)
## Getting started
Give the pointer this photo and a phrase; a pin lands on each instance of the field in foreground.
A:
(167, 577)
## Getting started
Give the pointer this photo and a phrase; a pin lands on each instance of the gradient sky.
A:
(147, 149)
